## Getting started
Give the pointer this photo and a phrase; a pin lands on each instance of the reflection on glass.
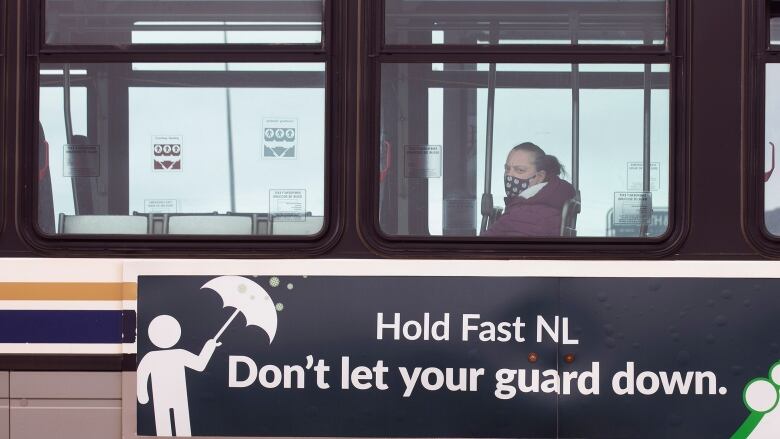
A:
(772, 139)
(435, 125)
(116, 22)
(774, 30)
(185, 152)
(471, 22)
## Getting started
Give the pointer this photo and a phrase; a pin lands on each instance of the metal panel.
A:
(65, 419)
(69, 385)
(3, 384)
(129, 419)
(4, 418)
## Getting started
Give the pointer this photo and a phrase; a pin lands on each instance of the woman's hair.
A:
(542, 161)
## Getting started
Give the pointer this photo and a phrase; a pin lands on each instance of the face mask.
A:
(513, 185)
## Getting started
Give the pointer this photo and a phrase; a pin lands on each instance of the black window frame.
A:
(330, 51)
(674, 53)
(6, 79)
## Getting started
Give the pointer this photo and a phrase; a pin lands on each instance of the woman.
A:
(535, 194)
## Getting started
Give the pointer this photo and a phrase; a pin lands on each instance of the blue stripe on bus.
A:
(54, 326)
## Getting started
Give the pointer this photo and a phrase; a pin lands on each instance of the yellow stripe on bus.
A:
(68, 291)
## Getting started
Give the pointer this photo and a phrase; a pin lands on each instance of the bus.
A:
(389, 218)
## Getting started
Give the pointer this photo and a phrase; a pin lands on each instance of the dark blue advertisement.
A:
(481, 357)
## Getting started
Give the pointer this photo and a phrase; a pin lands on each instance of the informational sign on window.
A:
(280, 138)
(658, 225)
(288, 204)
(636, 176)
(423, 161)
(167, 152)
(633, 208)
(460, 216)
(81, 161)
(161, 206)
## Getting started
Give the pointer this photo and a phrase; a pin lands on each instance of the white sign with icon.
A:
(167, 153)
(280, 138)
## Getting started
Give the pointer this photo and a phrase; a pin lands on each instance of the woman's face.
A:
(520, 164)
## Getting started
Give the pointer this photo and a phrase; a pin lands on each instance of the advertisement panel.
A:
(449, 356)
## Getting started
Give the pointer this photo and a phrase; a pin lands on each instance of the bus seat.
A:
(103, 224)
(571, 208)
(207, 224)
(260, 221)
(297, 226)
(156, 221)
(262, 224)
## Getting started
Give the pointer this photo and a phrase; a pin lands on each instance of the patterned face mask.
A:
(513, 185)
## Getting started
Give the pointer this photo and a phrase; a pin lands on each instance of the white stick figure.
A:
(166, 369)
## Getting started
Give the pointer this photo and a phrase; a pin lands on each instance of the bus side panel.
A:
(56, 404)
(4, 410)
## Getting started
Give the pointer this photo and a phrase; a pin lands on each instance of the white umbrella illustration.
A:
(247, 297)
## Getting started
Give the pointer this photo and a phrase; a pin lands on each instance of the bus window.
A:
(527, 22)
(772, 138)
(774, 23)
(113, 23)
(452, 128)
(186, 149)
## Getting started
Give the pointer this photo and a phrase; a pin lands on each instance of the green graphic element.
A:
(761, 397)
(747, 427)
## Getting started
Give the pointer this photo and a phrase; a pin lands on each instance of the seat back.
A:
(296, 226)
(103, 224)
(208, 224)
(260, 222)
(571, 208)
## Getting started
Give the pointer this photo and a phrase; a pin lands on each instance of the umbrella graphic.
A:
(246, 297)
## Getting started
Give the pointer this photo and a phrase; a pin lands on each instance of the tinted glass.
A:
(123, 22)
(186, 149)
(774, 30)
(434, 148)
(772, 136)
(633, 22)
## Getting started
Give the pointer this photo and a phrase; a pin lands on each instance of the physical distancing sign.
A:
(167, 153)
(280, 138)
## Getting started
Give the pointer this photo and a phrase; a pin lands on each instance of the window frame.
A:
(759, 53)
(8, 109)
(674, 53)
(330, 52)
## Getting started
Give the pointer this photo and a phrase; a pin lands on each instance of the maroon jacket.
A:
(539, 215)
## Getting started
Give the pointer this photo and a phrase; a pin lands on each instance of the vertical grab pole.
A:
(575, 127)
(66, 103)
(487, 195)
(643, 229)
(69, 129)
(231, 165)
(575, 121)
